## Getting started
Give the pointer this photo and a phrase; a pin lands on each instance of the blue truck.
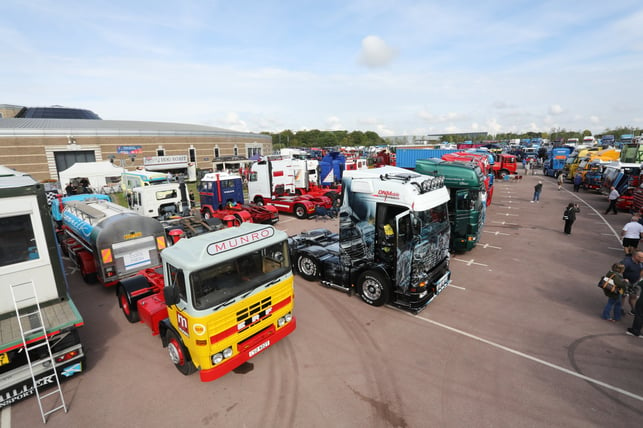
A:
(555, 162)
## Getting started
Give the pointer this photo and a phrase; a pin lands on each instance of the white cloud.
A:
(376, 52)
(555, 109)
(333, 123)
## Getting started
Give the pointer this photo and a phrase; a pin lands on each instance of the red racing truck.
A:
(273, 182)
(221, 195)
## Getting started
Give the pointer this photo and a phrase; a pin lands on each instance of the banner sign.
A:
(129, 150)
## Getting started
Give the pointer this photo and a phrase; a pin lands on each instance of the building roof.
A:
(19, 127)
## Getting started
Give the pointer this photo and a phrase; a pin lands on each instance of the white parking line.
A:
(470, 262)
(530, 357)
(480, 244)
(505, 223)
(455, 286)
(497, 232)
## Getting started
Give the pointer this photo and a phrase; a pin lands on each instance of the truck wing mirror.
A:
(171, 295)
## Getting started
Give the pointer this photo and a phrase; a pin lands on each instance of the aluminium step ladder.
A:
(31, 322)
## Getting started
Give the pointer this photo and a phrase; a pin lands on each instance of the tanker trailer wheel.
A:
(373, 288)
(84, 262)
(308, 267)
(129, 310)
(178, 354)
(300, 212)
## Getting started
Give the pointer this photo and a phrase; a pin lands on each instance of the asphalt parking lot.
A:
(515, 340)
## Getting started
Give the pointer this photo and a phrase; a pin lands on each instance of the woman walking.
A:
(612, 310)
(569, 216)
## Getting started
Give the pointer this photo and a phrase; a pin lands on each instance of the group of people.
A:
(627, 277)
(627, 274)
(77, 187)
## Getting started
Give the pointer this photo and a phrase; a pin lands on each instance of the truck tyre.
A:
(63, 246)
(308, 267)
(206, 214)
(259, 200)
(503, 172)
(373, 288)
(129, 310)
(178, 354)
(300, 211)
(88, 277)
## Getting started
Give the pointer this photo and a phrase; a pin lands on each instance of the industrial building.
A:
(42, 141)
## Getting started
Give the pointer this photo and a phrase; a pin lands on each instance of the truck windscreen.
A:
(224, 281)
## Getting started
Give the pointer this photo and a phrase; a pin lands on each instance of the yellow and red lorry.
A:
(218, 299)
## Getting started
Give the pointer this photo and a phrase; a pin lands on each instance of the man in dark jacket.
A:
(633, 266)
(537, 189)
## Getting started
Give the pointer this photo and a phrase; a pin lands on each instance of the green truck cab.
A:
(467, 207)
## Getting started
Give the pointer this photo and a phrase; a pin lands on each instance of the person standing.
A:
(633, 271)
(537, 189)
(612, 310)
(612, 197)
(560, 179)
(631, 234)
(569, 216)
(635, 330)
(578, 180)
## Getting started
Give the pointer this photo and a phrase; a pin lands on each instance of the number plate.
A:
(259, 348)
(442, 283)
(4, 359)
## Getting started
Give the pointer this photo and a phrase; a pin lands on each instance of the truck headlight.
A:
(227, 352)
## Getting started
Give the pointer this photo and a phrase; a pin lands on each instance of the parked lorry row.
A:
(467, 208)
(31, 271)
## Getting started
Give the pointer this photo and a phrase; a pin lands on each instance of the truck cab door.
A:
(136, 203)
(463, 207)
(404, 238)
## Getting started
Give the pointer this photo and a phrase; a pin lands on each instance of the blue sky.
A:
(392, 67)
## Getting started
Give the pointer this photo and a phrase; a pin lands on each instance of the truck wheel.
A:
(89, 277)
(503, 172)
(206, 214)
(63, 247)
(83, 262)
(308, 267)
(259, 201)
(373, 288)
(178, 354)
(128, 309)
(300, 212)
